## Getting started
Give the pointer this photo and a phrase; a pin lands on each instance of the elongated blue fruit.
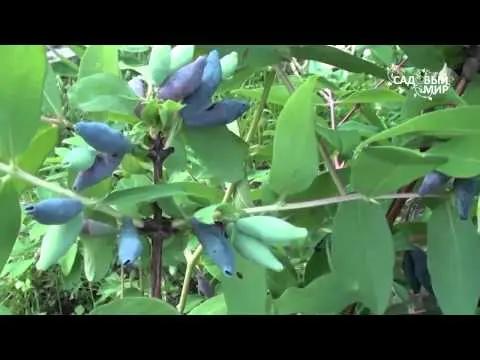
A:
(408, 267)
(57, 241)
(129, 244)
(80, 158)
(216, 246)
(183, 82)
(220, 113)
(103, 167)
(138, 86)
(465, 190)
(203, 285)
(421, 269)
(54, 211)
(211, 79)
(96, 228)
(432, 182)
(103, 138)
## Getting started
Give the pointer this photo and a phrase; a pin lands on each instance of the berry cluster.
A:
(103, 154)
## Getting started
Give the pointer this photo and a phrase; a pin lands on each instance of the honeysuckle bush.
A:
(228, 179)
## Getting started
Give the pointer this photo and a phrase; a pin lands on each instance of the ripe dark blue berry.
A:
(220, 113)
(129, 244)
(432, 182)
(184, 81)
(103, 138)
(465, 190)
(54, 211)
(216, 246)
(103, 167)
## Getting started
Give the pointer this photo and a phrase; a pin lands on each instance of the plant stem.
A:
(158, 153)
(327, 201)
(269, 79)
(186, 281)
(323, 147)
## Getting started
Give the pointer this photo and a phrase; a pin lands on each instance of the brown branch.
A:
(158, 228)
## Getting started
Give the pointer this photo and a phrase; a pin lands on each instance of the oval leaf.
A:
(363, 252)
(213, 306)
(325, 295)
(22, 70)
(219, 150)
(151, 193)
(99, 59)
(424, 56)
(103, 92)
(135, 306)
(463, 155)
(295, 152)
(381, 169)
(453, 253)
(448, 122)
(10, 220)
(246, 296)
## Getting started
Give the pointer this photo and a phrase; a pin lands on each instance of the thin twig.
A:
(380, 83)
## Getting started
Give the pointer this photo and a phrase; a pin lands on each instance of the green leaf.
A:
(333, 56)
(135, 306)
(448, 122)
(99, 59)
(68, 260)
(22, 70)
(278, 282)
(52, 98)
(219, 150)
(370, 115)
(363, 252)
(373, 96)
(463, 155)
(295, 153)
(322, 187)
(325, 295)
(10, 219)
(344, 141)
(415, 105)
(33, 158)
(424, 56)
(278, 94)
(381, 169)
(178, 160)
(213, 306)
(16, 269)
(5, 311)
(103, 92)
(453, 253)
(317, 266)
(98, 256)
(247, 296)
(73, 281)
(151, 193)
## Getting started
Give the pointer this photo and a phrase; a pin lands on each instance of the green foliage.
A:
(275, 179)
